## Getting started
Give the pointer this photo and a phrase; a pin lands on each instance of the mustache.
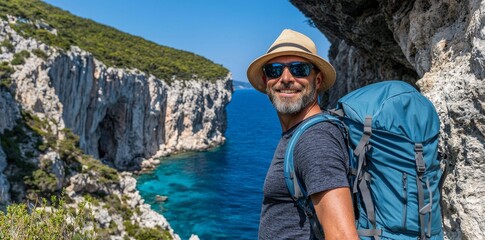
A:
(287, 86)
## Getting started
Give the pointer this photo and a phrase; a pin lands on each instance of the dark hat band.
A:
(289, 45)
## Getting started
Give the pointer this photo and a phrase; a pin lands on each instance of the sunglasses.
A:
(297, 69)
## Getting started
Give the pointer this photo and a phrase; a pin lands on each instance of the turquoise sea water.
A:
(217, 194)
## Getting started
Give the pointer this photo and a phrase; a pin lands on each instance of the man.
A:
(292, 74)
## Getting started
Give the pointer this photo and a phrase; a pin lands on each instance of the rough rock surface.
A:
(123, 116)
(9, 110)
(125, 190)
(8, 115)
(4, 184)
(439, 46)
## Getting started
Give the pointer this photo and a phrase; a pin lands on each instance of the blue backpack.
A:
(392, 132)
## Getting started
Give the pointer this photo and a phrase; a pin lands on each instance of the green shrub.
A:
(145, 233)
(45, 222)
(19, 58)
(116, 206)
(41, 129)
(42, 182)
(91, 199)
(36, 124)
(68, 147)
(5, 72)
(10, 145)
(11, 139)
(106, 175)
(5, 68)
(39, 53)
(5, 82)
(8, 45)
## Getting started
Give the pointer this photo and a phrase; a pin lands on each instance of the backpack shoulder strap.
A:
(297, 192)
(293, 184)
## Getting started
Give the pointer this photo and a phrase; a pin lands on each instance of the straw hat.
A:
(296, 44)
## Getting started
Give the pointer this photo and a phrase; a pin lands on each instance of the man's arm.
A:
(335, 213)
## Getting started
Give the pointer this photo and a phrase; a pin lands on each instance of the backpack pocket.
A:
(404, 196)
(390, 192)
(410, 222)
(389, 198)
(411, 219)
(396, 205)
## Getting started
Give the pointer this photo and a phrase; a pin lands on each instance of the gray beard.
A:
(289, 106)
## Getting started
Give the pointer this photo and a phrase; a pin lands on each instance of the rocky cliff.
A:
(125, 118)
(8, 116)
(121, 116)
(438, 46)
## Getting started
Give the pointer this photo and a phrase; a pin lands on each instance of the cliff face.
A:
(8, 116)
(123, 117)
(439, 46)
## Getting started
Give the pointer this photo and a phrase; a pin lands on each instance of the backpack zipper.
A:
(405, 199)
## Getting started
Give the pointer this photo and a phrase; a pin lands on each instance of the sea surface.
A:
(217, 194)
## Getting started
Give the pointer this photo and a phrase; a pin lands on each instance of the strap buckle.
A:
(368, 125)
(305, 206)
(420, 165)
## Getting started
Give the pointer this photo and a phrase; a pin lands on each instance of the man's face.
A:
(290, 94)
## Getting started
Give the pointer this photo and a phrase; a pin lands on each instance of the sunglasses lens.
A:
(300, 69)
(273, 70)
(297, 69)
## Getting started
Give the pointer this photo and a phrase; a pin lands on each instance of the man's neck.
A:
(289, 120)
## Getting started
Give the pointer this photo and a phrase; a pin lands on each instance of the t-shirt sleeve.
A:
(321, 158)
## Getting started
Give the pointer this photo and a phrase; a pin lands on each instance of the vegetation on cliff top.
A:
(111, 46)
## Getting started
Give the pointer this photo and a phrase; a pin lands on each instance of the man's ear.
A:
(264, 78)
(319, 79)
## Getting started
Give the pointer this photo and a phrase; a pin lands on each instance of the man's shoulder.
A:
(320, 131)
(323, 129)
(322, 136)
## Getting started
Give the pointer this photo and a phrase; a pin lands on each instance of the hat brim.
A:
(255, 70)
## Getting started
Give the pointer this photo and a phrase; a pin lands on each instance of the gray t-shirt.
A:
(321, 163)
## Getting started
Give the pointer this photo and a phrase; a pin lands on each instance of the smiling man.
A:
(292, 74)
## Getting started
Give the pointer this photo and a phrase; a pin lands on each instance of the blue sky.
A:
(229, 32)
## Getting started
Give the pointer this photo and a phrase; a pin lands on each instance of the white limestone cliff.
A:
(123, 116)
